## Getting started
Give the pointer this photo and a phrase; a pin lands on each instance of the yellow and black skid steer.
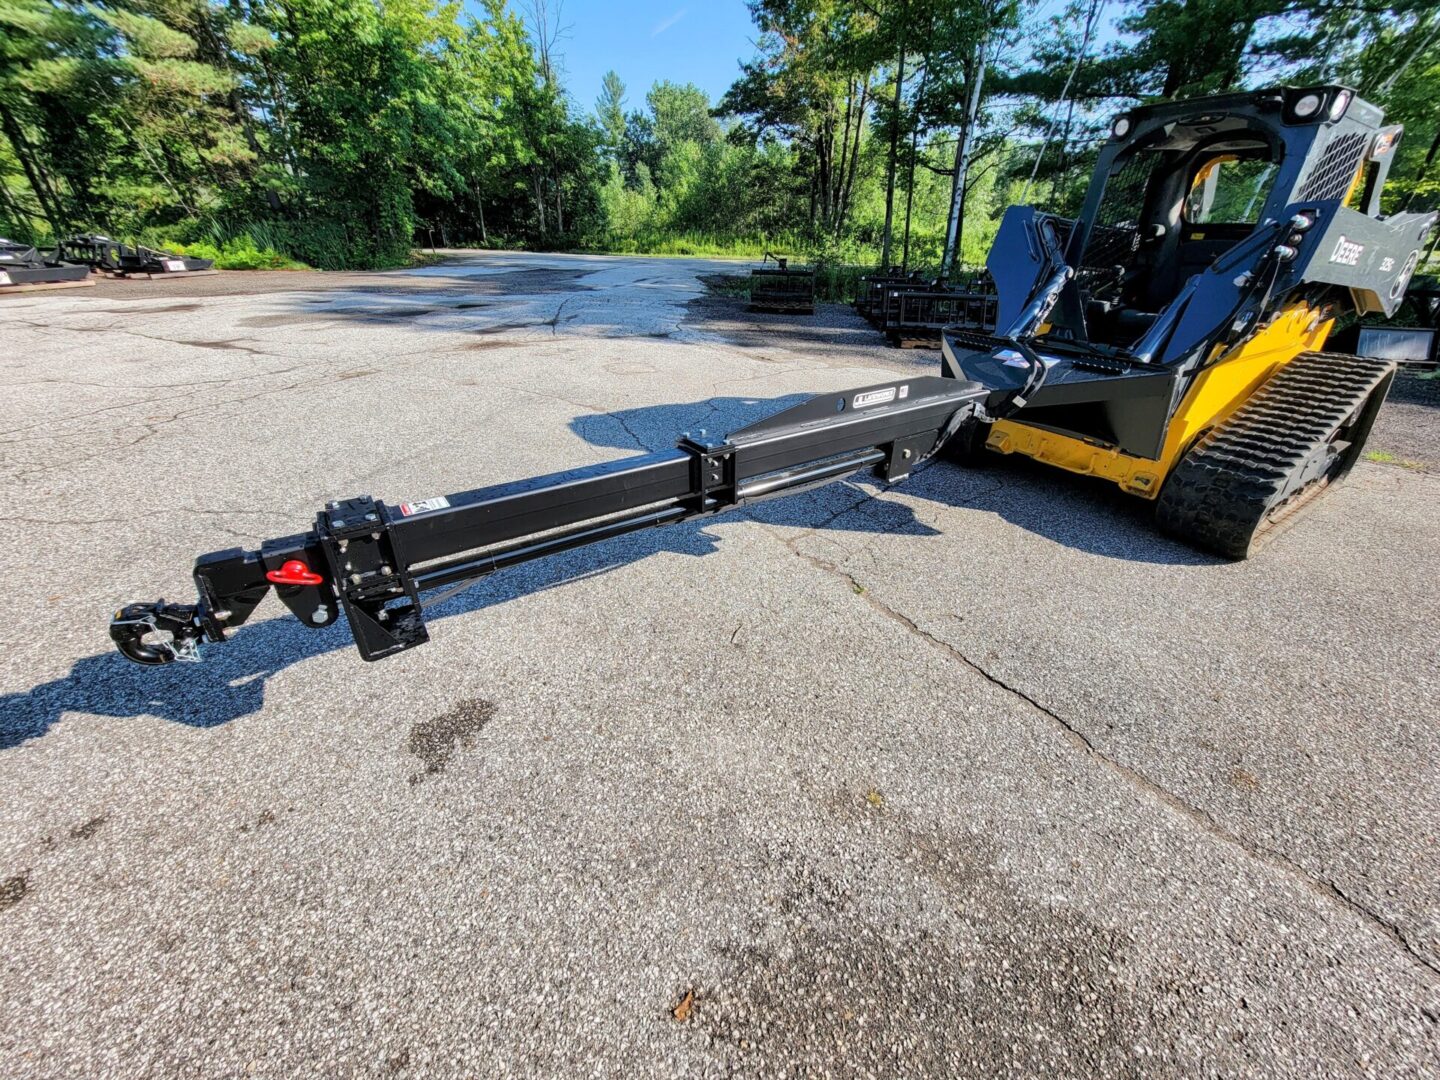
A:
(1168, 338)
(1181, 317)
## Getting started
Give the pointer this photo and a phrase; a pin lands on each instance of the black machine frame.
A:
(782, 288)
(918, 316)
(372, 561)
(911, 310)
(21, 264)
(113, 257)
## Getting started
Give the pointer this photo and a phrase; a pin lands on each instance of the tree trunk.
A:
(49, 202)
(909, 200)
(484, 238)
(824, 148)
(1422, 45)
(838, 177)
(13, 210)
(159, 169)
(894, 147)
(963, 147)
(848, 181)
(914, 154)
(1223, 52)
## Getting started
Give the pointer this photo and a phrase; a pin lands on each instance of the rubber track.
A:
(1222, 494)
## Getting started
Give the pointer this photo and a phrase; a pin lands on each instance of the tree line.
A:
(344, 132)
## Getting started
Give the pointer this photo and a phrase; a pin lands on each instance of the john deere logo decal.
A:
(1347, 253)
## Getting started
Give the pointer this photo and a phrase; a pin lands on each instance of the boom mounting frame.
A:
(374, 562)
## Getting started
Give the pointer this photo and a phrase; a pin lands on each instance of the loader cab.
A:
(1178, 185)
(1169, 205)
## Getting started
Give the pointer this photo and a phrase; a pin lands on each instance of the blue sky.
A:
(699, 41)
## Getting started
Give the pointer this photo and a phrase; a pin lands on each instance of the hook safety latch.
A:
(130, 625)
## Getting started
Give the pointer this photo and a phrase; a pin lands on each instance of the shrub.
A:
(238, 253)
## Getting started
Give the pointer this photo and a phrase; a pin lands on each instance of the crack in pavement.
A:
(159, 510)
(1318, 886)
(152, 426)
(586, 406)
(117, 329)
(194, 387)
(554, 321)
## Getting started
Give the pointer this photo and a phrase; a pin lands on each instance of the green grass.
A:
(727, 284)
(708, 245)
(1384, 457)
(239, 253)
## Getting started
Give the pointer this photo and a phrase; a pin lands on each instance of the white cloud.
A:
(665, 23)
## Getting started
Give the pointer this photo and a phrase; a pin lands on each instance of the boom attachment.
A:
(375, 562)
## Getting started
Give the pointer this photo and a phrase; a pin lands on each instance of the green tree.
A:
(812, 83)
(114, 111)
(680, 114)
(610, 114)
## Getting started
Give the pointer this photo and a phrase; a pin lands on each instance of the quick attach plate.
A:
(379, 598)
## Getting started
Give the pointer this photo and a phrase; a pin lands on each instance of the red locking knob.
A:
(294, 572)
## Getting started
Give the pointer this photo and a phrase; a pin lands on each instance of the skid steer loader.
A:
(1167, 339)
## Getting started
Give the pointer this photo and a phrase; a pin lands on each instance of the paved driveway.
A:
(977, 775)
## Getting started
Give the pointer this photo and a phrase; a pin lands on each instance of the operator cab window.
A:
(1168, 211)
(1229, 190)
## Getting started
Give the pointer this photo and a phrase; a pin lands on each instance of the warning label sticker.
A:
(4, 278)
(437, 503)
(174, 264)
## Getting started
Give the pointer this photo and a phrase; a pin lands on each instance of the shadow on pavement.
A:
(658, 427)
(231, 681)
(1413, 389)
(1083, 513)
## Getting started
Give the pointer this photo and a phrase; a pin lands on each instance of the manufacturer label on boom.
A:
(880, 397)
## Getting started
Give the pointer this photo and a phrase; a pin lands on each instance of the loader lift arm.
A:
(373, 561)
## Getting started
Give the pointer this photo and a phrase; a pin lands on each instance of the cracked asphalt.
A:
(972, 776)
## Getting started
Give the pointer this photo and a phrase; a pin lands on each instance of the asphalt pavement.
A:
(976, 775)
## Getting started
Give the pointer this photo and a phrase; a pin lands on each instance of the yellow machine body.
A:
(1220, 389)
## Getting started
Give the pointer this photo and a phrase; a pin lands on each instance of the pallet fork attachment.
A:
(375, 562)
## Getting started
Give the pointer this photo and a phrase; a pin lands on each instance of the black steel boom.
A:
(373, 561)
